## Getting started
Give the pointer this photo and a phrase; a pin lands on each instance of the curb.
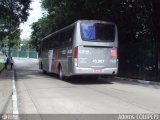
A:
(139, 81)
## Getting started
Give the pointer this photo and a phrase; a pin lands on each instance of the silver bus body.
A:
(82, 52)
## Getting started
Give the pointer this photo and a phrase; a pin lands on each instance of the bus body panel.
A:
(91, 56)
(63, 60)
(95, 57)
(45, 61)
(69, 61)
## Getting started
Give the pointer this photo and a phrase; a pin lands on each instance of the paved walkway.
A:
(6, 91)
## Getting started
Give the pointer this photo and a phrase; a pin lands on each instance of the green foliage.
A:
(132, 17)
(40, 29)
(12, 13)
(1, 66)
(156, 18)
(137, 21)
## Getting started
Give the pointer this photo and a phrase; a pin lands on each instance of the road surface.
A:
(42, 94)
(45, 94)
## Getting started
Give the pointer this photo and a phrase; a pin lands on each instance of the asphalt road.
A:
(45, 94)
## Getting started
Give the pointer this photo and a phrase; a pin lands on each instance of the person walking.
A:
(11, 62)
(6, 61)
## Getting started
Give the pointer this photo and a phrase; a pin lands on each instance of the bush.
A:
(1, 66)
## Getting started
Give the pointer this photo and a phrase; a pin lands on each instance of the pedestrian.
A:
(11, 62)
(6, 61)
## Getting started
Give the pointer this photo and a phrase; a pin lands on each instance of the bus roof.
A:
(78, 21)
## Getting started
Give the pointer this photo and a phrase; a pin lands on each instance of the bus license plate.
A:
(97, 70)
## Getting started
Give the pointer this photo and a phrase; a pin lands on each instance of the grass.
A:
(1, 62)
(1, 66)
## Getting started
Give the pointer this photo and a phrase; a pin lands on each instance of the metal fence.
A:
(24, 54)
(139, 60)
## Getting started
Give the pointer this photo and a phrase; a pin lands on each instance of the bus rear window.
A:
(98, 32)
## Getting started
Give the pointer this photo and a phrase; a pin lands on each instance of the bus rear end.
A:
(95, 49)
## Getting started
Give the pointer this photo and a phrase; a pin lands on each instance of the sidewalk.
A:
(6, 91)
(139, 81)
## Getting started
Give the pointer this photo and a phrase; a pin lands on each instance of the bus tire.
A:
(61, 77)
(41, 65)
(44, 72)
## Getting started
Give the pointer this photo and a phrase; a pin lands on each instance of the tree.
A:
(134, 21)
(132, 17)
(156, 21)
(12, 13)
(40, 30)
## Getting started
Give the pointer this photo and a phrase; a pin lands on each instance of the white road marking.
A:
(14, 96)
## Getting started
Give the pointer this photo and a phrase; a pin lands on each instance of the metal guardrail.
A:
(24, 54)
(1, 57)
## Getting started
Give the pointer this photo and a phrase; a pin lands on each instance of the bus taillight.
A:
(76, 56)
(76, 52)
(114, 52)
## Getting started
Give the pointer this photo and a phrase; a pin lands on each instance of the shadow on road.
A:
(28, 73)
(77, 80)
(5, 91)
(87, 81)
(6, 104)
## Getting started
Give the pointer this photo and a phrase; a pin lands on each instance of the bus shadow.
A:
(85, 81)
(102, 81)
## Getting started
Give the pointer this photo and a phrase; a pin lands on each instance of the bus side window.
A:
(70, 40)
(53, 41)
(56, 41)
(62, 38)
(49, 44)
(69, 35)
(44, 45)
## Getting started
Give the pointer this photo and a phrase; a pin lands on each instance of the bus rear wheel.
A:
(44, 72)
(61, 77)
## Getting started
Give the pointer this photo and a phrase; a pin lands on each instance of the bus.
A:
(84, 48)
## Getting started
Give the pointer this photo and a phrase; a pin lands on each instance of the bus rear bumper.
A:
(95, 71)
